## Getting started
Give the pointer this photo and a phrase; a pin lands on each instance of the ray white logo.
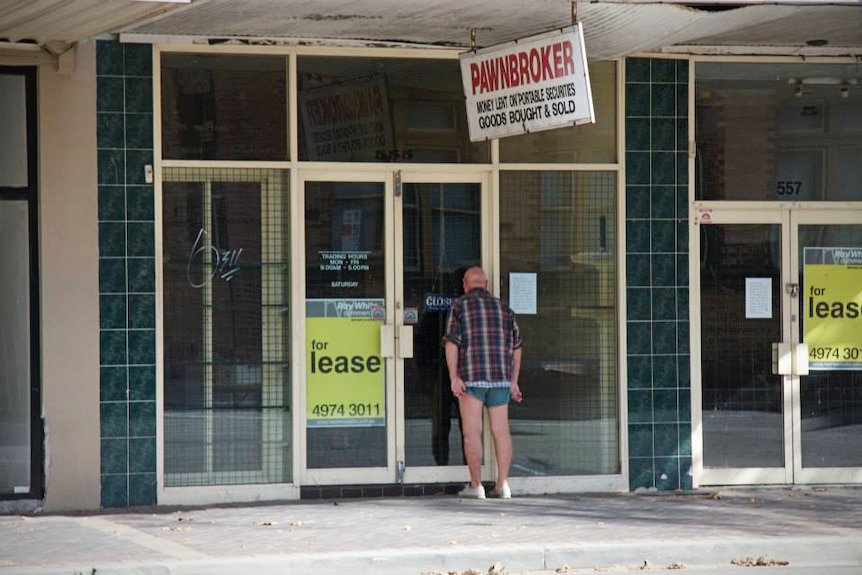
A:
(847, 256)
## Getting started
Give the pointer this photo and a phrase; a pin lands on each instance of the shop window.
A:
(13, 127)
(384, 110)
(558, 234)
(224, 107)
(776, 132)
(21, 436)
(587, 143)
(226, 279)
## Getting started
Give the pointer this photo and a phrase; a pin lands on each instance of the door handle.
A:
(782, 360)
(387, 341)
(790, 358)
(405, 341)
(800, 359)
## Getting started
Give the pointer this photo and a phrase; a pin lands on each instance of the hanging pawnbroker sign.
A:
(832, 308)
(532, 84)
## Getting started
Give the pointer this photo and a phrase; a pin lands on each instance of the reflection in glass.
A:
(345, 270)
(442, 238)
(766, 131)
(743, 422)
(13, 131)
(831, 399)
(224, 107)
(15, 465)
(226, 289)
(384, 110)
(560, 227)
(587, 143)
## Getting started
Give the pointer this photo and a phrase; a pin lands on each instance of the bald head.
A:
(474, 278)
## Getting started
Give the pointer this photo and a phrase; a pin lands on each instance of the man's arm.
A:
(457, 384)
(517, 396)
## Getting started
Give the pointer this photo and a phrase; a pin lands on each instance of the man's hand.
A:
(458, 386)
(517, 396)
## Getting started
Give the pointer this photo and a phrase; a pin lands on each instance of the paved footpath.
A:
(446, 535)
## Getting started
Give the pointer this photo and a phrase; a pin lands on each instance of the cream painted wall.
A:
(69, 281)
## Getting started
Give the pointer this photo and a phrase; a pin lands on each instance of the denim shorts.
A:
(491, 396)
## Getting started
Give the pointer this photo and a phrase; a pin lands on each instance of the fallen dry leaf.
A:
(762, 561)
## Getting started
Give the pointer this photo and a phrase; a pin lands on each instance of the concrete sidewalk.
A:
(444, 534)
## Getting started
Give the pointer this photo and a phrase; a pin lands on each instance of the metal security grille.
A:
(559, 229)
(226, 285)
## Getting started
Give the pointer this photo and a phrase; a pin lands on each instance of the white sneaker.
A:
(472, 492)
(502, 493)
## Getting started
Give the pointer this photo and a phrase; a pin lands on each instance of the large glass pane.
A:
(345, 307)
(384, 110)
(777, 132)
(558, 230)
(831, 297)
(13, 131)
(743, 422)
(587, 143)
(224, 107)
(15, 463)
(442, 238)
(227, 327)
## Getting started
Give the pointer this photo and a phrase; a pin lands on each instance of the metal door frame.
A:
(394, 320)
(789, 216)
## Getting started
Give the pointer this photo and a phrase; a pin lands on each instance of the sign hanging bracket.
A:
(473, 39)
(574, 12)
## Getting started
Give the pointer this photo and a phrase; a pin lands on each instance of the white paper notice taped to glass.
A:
(758, 298)
(536, 83)
(522, 293)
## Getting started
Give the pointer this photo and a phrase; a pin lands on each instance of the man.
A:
(483, 355)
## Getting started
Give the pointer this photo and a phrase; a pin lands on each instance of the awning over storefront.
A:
(55, 25)
(612, 28)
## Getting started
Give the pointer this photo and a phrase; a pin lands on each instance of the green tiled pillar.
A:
(126, 274)
(656, 163)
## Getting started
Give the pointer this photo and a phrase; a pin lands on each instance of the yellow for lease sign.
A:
(832, 308)
(345, 374)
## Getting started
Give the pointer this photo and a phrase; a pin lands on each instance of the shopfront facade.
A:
(275, 234)
(317, 208)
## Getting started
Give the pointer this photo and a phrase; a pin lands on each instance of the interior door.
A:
(383, 253)
(779, 399)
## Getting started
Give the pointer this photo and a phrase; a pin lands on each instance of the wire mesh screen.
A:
(226, 277)
(558, 232)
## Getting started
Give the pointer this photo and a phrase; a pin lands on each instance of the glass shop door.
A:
(778, 396)
(383, 254)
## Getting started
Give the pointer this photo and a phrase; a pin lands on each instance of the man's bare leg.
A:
(499, 419)
(471, 421)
